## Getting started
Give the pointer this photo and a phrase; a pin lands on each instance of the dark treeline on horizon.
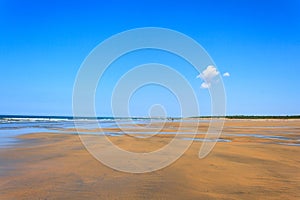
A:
(253, 117)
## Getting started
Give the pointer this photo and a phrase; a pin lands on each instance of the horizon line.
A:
(241, 116)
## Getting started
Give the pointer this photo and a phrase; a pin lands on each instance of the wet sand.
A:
(57, 166)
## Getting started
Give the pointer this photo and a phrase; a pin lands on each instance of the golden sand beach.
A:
(250, 166)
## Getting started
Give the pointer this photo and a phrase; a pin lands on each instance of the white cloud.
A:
(226, 74)
(208, 75)
(205, 85)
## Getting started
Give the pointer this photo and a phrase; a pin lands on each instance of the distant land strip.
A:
(253, 117)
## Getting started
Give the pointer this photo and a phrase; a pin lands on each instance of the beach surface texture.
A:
(254, 159)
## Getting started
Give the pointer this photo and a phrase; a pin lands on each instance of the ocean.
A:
(12, 126)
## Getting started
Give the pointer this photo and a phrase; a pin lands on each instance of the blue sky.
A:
(43, 43)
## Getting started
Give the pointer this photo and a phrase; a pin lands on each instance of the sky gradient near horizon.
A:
(43, 43)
